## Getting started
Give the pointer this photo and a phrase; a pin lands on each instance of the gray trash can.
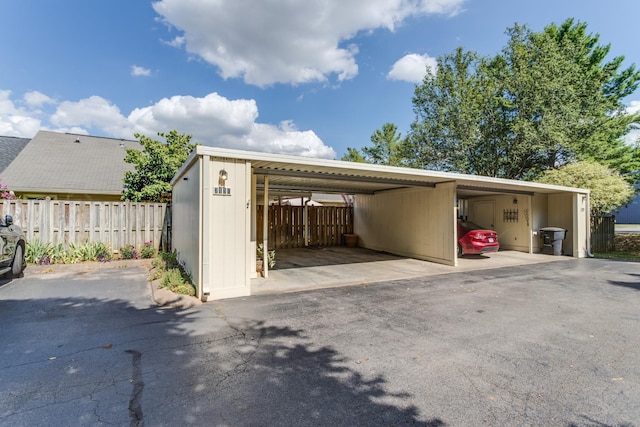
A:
(552, 238)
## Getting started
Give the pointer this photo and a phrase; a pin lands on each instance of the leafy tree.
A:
(353, 155)
(548, 99)
(609, 190)
(456, 117)
(387, 148)
(155, 166)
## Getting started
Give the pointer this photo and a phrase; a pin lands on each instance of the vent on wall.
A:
(510, 215)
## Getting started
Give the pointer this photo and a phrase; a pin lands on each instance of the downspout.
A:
(587, 211)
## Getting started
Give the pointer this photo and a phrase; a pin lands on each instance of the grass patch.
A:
(626, 247)
(166, 268)
(622, 255)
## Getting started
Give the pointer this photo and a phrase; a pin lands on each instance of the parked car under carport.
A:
(474, 240)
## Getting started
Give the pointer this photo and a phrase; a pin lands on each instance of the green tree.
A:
(388, 148)
(547, 99)
(457, 112)
(609, 190)
(353, 155)
(155, 166)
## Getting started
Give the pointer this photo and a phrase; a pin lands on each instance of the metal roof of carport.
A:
(287, 173)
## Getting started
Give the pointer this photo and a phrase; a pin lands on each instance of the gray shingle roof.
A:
(10, 147)
(68, 163)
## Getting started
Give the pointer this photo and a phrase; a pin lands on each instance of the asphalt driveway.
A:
(543, 344)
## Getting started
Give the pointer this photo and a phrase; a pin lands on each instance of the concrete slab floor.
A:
(314, 268)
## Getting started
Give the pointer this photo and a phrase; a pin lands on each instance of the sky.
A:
(300, 77)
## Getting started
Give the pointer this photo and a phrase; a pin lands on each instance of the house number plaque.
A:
(221, 191)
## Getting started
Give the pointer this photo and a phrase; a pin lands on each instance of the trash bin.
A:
(552, 238)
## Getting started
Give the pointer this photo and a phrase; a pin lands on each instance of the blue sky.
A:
(306, 78)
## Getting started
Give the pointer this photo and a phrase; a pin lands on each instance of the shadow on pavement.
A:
(635, 284)
(87, 361)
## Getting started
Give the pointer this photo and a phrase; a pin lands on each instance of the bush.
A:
(37, 251)
(128, 252)
(178, 282)
(170, 259)
(40, 253)
(59, 255)
(103, 252)
(148, 250)
(627, 242)
(94, 251)
(171, 274)
(271, 255)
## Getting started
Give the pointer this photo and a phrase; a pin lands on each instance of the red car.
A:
(473, 239)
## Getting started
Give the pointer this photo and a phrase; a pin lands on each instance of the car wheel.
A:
(18, 259)
(460, 253)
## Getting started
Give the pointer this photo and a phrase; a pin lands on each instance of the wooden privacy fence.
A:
(62, 221)
(603, 230)
(325, 225)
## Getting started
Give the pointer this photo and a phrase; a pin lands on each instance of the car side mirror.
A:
(8, 220)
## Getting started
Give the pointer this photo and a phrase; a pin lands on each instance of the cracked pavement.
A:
(538, 345)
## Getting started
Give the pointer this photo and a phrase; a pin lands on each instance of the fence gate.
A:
(325, 225)
(603, 230)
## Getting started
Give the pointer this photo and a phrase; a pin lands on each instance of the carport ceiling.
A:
(331, 182)
(292, 173)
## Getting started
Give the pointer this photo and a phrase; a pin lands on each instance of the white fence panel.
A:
(65, 221)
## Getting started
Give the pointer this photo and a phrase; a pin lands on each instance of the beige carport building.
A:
(407, 212)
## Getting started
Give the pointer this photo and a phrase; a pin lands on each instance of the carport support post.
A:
(265, 229)
(305, 226)
(529, 219)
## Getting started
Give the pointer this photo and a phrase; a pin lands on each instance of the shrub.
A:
(171, 274)
(271, 255)
(148, 250)
(178, 282)
(157, 263)
(36, 251)
(170, 259)
(627, 242)
(102, 252)
(128, 252)
(5, 193)
(40, 253)
(59, 255)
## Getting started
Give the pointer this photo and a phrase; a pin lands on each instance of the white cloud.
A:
(217, 121)
(37, 99)
(412, 68)
(213, 120)
(634, 107)
(138, 71)
(633, 136)
(94, 112)
(15, 121)
(281, 41)
(175, 42)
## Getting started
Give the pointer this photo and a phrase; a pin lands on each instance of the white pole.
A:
(265, 229)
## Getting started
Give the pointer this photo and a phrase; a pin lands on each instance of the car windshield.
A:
(467, 225)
